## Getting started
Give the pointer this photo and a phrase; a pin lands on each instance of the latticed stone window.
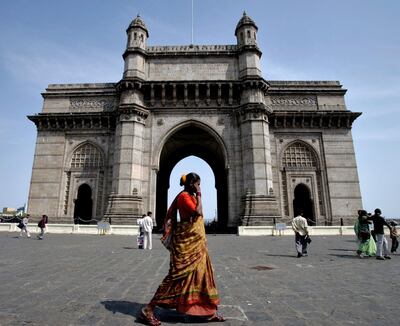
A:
(87, 156)
(298, 155)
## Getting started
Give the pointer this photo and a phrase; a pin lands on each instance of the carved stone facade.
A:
(276, 147)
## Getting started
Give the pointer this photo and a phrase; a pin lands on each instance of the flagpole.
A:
(192, 22)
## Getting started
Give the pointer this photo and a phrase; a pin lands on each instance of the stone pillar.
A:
(125, 202)
(259, 205)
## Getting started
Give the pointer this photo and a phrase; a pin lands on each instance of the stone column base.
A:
(124, 209)
(259, 210)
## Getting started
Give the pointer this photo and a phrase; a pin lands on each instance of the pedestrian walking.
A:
(382, 250)
(300, 228)
(366, 243)
(147, 231)
(189, 286)
(141, 233)
(42, 225)
(23, 225)
(393, 236)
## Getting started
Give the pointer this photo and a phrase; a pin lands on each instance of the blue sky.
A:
(354, 41)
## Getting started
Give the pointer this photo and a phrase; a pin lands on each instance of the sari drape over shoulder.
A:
(189, 286)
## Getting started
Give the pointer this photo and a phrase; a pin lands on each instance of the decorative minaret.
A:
(125, 201)
(134, 55)
(259, 205)
(250, 54)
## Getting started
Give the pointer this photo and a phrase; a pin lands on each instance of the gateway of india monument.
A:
(106, 150)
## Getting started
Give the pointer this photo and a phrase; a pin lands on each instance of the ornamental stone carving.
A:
(90, 104)
(302, 101)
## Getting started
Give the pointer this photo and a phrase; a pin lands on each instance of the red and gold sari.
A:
(189, 286)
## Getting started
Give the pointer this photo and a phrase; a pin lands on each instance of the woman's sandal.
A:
(216, 318)
(149, 319)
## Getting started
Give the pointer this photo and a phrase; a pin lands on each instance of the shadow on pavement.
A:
(350, 250)
(275, 255)
(354, 256)
(133, 309)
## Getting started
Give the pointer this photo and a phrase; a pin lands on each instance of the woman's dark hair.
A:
(189, 178)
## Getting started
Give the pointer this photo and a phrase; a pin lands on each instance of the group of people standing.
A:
(23, 226)
(370, 234)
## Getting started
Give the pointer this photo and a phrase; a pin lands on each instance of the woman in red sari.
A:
(189, 286)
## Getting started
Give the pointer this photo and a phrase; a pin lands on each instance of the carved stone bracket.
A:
(130, 113)
(127, 84)
(253, 112)
(255, 84)
(65, 122)
(316, 119)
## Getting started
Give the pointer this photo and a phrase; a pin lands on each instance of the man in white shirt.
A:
(300, 228)
(147, 224)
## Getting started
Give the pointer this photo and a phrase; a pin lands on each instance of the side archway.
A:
(301, 182)
(85, 181)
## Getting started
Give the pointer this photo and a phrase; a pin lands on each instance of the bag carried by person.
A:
(20, 225)
(308, 239)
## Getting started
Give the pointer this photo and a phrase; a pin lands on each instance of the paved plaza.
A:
(105, 280)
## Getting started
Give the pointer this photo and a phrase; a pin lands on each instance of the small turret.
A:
(246, 31)
(137, 34)
(249, 53)
(134, 55)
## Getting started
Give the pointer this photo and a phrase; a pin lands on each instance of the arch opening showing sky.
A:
(209, 193)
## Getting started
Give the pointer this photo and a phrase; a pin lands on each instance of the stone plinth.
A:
(259, 210)
(124, 209)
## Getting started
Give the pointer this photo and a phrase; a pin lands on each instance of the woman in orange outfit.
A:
(189, 286)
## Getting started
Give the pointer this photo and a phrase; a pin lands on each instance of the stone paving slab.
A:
(105, 280)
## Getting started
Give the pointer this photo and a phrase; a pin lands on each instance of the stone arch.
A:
(186, 139)
(85, 164)
(300, 163)
(83, 205)
(302, 201)
(188, 123)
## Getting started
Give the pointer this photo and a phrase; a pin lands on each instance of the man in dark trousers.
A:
(381, 242)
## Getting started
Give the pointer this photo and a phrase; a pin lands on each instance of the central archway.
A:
(197, 140)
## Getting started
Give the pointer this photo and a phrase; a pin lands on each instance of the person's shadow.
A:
(133, 309)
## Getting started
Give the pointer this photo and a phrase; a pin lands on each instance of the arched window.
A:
(87, 156)
(298, 155)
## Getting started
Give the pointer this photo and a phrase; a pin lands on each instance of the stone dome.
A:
(245, 20)
(138, 22)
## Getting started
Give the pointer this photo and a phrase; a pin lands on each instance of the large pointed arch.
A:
(187, 124)
(186, 139)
